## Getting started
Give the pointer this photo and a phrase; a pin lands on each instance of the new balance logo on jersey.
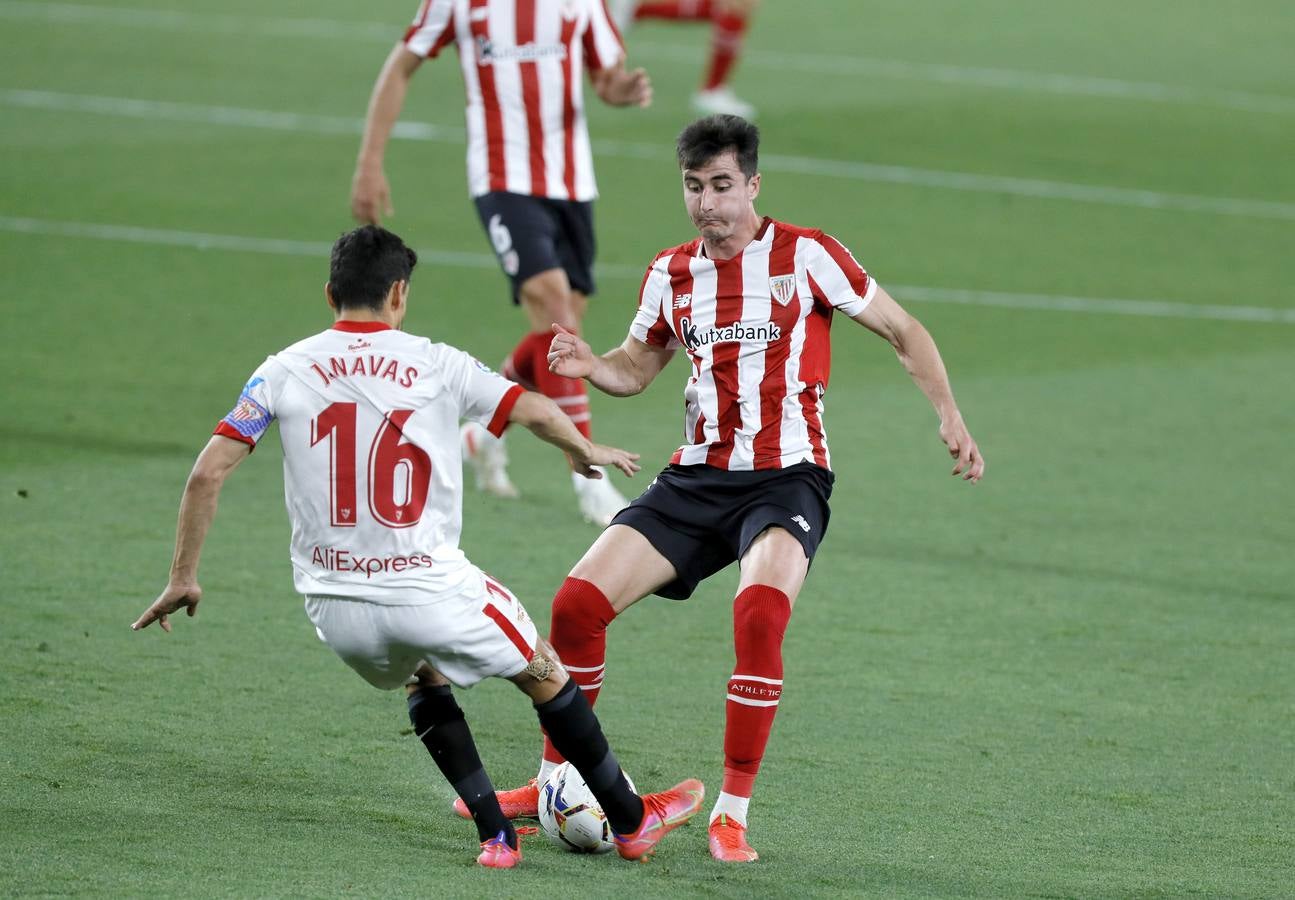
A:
(800, 520)
(694, 338)
(682, 300)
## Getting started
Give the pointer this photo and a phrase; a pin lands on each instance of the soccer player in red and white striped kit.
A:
(750, 303)
(530, 174)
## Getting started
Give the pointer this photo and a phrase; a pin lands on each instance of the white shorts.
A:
(479, 632)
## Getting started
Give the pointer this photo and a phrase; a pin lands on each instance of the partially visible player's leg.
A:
(548, 299)
(773, 571)
(729, 20)
(379, 642)
(727, 36)
(678, 10)
(545, 248)
(569, 721)
(439, 723)
(619, 569)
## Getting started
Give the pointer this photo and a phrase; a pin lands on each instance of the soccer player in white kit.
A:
(369, 423)
(750, 302)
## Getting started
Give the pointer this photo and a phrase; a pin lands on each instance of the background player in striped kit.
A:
(384, 581)
(729, 20)
(530, 173)
(750, 302)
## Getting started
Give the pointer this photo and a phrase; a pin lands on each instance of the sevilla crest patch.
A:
(782, 288)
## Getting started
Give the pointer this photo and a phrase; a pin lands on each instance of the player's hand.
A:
(175, 596)
(618, 87)
(370, 195)
(569, 356)
(600, 455)
(962, 447)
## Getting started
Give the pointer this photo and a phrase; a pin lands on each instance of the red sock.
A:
(568, 393)
(725, 46)
(578, 632)
(519, 364)
(679, 10)
(760, 616)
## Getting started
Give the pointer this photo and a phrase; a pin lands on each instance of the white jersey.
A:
(372, 470)
(523, 66)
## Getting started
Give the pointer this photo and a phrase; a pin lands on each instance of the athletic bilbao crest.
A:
(782, 288)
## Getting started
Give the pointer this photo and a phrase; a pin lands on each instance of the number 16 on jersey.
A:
(398, 472)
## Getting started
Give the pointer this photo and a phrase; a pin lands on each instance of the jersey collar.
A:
(760, 235)
(360, 327)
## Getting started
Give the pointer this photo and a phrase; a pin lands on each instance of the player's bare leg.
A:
(439, 723)
(773, 571)
(548, 300)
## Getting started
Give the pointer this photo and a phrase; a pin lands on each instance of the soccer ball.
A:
(570, 815)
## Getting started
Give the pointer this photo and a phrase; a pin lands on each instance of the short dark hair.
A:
(707, 138)
(365, 263)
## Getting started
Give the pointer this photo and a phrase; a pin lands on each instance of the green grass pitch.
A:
(1072, 680)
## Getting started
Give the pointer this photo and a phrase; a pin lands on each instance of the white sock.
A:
(546, 769)
(581, 483)
(732, 806)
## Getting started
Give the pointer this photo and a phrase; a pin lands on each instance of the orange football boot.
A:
(519, 803)
(728, 841)
(662, 813)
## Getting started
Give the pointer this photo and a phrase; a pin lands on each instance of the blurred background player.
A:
(750, 302)
(375, 544)
(728, 18)
(530, 174)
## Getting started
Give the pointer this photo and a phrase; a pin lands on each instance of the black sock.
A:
(438, 721)
(574, 730)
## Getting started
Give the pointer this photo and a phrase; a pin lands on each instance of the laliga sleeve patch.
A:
(248, 417)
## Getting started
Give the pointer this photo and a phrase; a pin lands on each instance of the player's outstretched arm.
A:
(622, 372)
(370, 193)
(917, 351)
(550, 424)
(197, 510)
(617, 86)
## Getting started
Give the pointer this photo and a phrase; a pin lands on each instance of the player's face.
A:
(719, 197)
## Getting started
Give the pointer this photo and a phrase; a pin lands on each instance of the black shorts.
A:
(702, 518)
(534, 234)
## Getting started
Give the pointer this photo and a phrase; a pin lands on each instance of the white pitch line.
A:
(809, 63)
(1003, 79)
(799, 165)
(197, 240)
(1157, 309)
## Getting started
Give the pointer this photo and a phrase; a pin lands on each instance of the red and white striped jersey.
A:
(372, 470)
(756, 331)
(523, 62)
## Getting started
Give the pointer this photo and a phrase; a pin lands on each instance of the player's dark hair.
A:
(365, 263)
(707, 138)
